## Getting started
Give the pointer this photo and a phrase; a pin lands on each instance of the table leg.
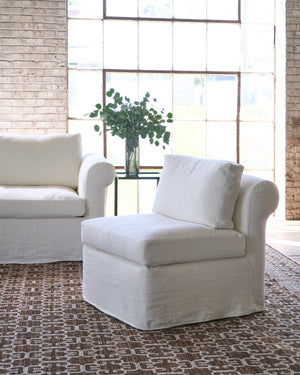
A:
(116, 197)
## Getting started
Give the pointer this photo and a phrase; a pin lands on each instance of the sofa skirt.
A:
(40, 240)
(158, 297)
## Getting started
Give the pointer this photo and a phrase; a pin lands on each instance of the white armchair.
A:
(199, 256)
(46, 189)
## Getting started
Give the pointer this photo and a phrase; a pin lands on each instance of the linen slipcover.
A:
(40, 159)
(127, 286)
(202, 191)
(40, 201)
(153, 239)
(47, 188)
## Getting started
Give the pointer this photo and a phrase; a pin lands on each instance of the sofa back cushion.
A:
(202, 191)
(40, 159)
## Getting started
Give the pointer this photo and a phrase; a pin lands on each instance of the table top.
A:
(140, 176)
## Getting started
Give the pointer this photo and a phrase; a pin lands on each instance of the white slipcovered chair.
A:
(199, 256)
(46, 189)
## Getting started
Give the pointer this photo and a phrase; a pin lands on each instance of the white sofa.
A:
(199, 256)
(46, 189)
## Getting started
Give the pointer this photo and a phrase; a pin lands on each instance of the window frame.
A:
(105, 70)
(173, 72)
(172, 19)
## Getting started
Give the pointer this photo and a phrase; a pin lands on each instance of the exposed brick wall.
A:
(293, 110)
(33, 66)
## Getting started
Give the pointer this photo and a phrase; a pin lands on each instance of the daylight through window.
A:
(209, 62)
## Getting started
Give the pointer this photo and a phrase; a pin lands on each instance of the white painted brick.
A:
(33, 61)
(293, 109)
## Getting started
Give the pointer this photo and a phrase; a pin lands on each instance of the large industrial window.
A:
(210, 62)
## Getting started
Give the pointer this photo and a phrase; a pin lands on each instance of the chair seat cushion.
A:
(40, 202)
(153, 239)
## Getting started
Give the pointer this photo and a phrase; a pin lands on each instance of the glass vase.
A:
(132, 157)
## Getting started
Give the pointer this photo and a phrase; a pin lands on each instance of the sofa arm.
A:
(95, 174)
(256, 201)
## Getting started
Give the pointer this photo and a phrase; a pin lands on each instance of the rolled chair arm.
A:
(95, 175)
(257, 200)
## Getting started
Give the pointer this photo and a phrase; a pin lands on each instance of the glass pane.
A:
(189, 96)
(110, 200)
(115, 150)
(117, 53)
(155, 8)
(256, 145)
(189, 52)
(222, 10)
(85, 8)
(257, 11)
(121, 8)
(267, 175)
(188, 138)
(85, 90)
(155, 45)
(127, 197)
(147, 191)
(91, 141)
(189, 9)
(257, 97)
(159, 86)
(85, 50)
(222, 97)
(223, 50)
(151, 155)
(221, 140)
(125, 83)
(257, 48)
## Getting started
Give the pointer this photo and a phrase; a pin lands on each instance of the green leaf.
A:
(110, 92)
(94, 114)
(166, 137)
(127, 119)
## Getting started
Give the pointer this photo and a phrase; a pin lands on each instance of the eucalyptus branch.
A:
(127, 119)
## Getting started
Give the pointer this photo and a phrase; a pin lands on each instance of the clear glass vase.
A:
(132, 157)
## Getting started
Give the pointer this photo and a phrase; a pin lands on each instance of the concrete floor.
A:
(284, 236)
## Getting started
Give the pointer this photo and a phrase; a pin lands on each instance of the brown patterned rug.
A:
(47, 328)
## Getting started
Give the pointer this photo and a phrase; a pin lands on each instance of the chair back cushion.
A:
(202, 191)
(40, 160)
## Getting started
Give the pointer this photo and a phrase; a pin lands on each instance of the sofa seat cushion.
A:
(40, 202)
(153, 239)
